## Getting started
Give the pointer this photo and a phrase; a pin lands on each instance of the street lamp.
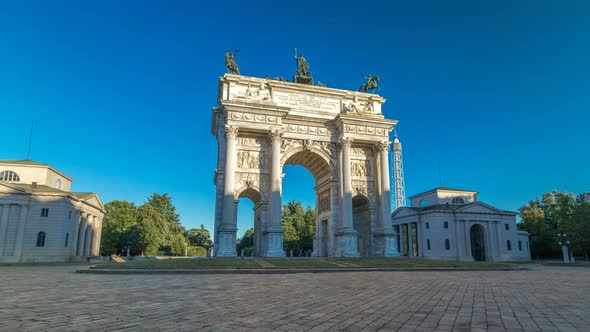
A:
(564, 243)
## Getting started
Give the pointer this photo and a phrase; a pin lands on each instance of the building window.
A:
(446, 225)
(447, 244)
(70, 215)
(44, 212)
(507, 227)
(58, 184)
(427, 225)
(67, 237)
(508, 245)
(41, 239)
(519, 245)
(10, 176)
(458, 200)
(428, 244)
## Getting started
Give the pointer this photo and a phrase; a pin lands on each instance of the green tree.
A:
(170, 226)
(299, 226)
(246, 242)
(544, 218)
(119, 217)
(199, 237)
(146, 236)
(577, 228)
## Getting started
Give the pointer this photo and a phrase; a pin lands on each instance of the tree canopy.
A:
(299, 227)
(556, 213)
(152, 228)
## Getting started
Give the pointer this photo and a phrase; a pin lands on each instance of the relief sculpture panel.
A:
(251, 159)
(360, 168)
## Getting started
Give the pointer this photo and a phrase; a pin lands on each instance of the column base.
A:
(227, 242)
(274, 242)
(347, 239)
(386, 243)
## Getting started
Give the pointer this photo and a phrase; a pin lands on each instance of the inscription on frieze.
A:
(306, 102)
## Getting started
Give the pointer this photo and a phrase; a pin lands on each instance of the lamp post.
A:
(564, 243)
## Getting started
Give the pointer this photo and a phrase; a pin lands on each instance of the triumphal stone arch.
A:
(341, 137)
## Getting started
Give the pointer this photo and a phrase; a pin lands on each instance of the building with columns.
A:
(341, 137)
(451, 224)
(41, 220)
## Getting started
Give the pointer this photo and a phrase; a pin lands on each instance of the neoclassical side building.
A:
(341, 137)
(451, 224)
(41, 220)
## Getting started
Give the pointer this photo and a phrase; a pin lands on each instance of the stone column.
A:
(410, 241)
(347, 235)
(460, 240)
(3, 227)
(499, 242)
(385, 235)
(89, 235)
(74, 242)
(273, 234)
(227, 230)
(467, 239)
(20, 233)
(96, 235)
(82, 234)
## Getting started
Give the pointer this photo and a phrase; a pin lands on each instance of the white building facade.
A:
(451, 224)
(41, 220)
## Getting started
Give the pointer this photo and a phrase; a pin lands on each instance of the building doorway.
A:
(478, 245)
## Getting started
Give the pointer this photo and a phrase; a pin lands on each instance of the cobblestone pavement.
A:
(35, 298)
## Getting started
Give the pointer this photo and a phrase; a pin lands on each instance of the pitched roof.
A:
(451, 207)
(23, 162)
(443, 188)
(82, 195)
(43, 189)
(40, 188)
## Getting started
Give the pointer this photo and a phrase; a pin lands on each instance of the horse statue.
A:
(370, 84)
(230, 62)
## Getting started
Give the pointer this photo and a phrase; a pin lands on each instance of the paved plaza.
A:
(54, 298)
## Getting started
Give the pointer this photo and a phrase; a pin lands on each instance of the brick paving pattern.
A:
(38, 298)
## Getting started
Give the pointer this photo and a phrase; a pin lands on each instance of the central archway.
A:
(478, 244)
(318, 166)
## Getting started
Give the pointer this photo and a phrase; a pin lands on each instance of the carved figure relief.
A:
(360, 168)
(260, 93)
(354, 106)
(251, 159)
(250, 180)
(249, 141)
(324, 202)
(360, 152)
(290, 143)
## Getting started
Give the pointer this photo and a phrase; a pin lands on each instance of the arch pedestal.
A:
(339, 136)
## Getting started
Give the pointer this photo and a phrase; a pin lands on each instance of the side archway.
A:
(361, 221)
(260, 211)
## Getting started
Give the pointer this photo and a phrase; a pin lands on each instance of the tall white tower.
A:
(399, 189)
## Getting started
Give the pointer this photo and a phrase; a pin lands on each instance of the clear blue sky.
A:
(497, 92)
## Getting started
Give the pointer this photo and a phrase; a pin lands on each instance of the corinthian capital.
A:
(383, 146)
(346, 142)
(275, 135)
(231, 131)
